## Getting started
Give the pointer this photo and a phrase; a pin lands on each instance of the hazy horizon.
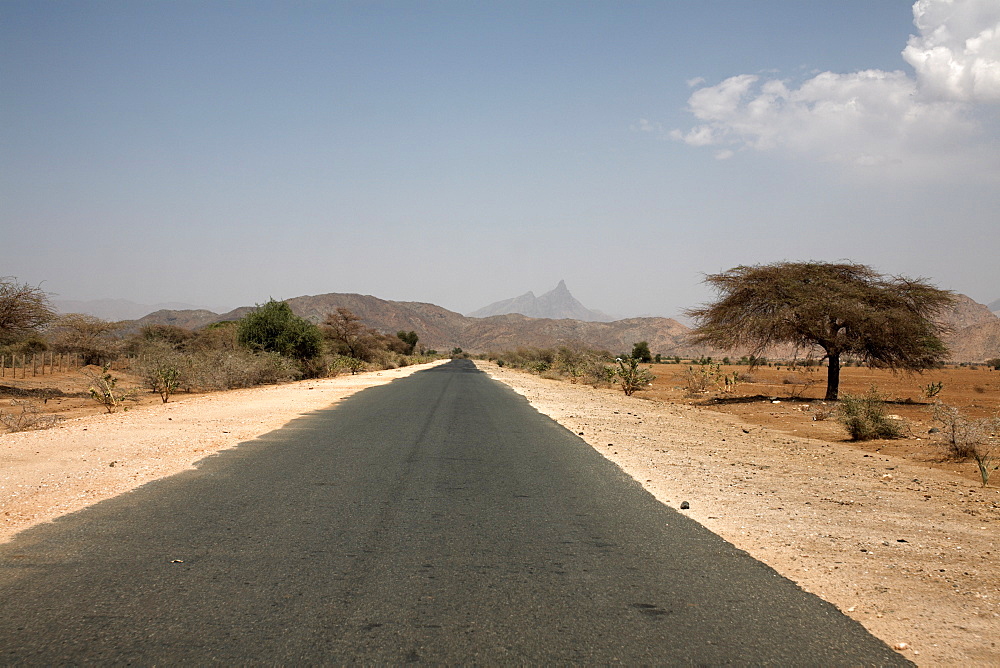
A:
(221, 154)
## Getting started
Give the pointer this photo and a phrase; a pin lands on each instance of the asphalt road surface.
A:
(436, 519)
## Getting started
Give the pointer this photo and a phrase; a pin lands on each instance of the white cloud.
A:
(957, 54)
(870, 118)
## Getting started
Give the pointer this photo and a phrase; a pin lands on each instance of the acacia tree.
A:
(841, 308)
(90, 337)
(347, 329)
(23, 309)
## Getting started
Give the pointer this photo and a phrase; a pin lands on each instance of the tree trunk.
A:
(832, 377)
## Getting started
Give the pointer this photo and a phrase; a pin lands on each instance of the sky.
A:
(460, 153)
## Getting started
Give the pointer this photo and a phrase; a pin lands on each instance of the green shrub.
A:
(104, 389)
(630, 377)
(865, 418)
(931, 390)
(343, 363)
(273, 328)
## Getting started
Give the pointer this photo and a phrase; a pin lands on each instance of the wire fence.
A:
(38, 364)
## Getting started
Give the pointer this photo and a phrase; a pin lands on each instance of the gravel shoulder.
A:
(908, 551)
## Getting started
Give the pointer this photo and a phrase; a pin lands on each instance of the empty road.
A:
(436, 519)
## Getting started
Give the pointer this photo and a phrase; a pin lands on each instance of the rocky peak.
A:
(556, 304)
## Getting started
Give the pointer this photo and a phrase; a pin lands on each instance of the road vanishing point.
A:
(437, 519)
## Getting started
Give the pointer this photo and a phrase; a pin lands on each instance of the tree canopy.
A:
(272, 327)
(640, 351)
(23, 309)
(841, 308)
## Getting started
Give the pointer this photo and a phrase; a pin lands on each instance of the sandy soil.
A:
(907, 550)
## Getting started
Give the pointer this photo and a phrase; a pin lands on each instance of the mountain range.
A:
(975, 330)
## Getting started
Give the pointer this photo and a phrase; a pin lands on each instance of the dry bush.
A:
(865, 418)
(702, 379)
(232, 369)
(969, 438)
(959, 433)
(161, 368)
(823, 413)
(28, 418)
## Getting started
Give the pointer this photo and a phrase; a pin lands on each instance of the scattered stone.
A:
(685, 505)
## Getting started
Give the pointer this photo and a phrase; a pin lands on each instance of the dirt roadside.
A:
(908, 551)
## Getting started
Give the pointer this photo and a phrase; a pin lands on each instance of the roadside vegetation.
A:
(583, 365)
(269, 345)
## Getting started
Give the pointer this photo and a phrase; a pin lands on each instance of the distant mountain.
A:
(975, 332)
(442, 329)
(114, 309)
(556, 304)
(994, 307)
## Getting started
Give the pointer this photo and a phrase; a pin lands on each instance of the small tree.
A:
(640, 351)
(347, 329)
(843, 309)
(23, 309)
(88, 336)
